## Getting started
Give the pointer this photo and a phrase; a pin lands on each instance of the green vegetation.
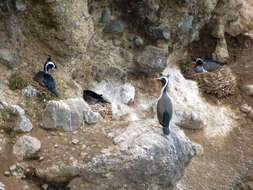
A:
(17, 81)
(8, 130)
(8, 123)
(45, 95)
(187, 64)
(7, 117)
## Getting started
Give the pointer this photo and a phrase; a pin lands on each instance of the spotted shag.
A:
(44, 78)
(207, 65)
(164, 106)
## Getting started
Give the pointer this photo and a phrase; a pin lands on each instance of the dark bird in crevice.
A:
(93, 97)
(164, 106)
(207, 65)
(44, 78)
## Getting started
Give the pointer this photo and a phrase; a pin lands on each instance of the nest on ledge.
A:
(219, 84)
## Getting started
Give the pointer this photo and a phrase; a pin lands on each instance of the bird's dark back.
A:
(214, 61)
(49, 81)
(164, 103)
(91, 94)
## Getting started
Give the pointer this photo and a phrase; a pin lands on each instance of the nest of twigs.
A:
(221, 83)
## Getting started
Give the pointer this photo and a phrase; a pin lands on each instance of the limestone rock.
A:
(191, 120)
(118, 94)
(56, 173)
(159, 32)
(221, 51)
(26, 147)
(3, 103)
(125, 93)
(218, 29)
(110, 61)
(248, 89)
(23, 124)
(29, 91)
(17, 110)
(114, 27)
(235, 17)
(68, 29)
(91, 117)
(7, 58)
(151, 60)
(140, 157)
(68, 115)
(176, 22)
(78, 183)
(190, 109)
(13, 6)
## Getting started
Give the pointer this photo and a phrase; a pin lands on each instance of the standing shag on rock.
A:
(44, 78)
(90, 96)
(164, 106)
(207, 65)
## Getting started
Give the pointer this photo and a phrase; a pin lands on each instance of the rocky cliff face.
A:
(115, 48)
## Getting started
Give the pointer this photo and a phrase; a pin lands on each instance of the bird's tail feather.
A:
(166, 123)
(55, 93)
(166, 130)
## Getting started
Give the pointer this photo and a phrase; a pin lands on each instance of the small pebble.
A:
(131, 37)
(7, 173)
(56, 145)
(14, 173)
(110, 135)
(75, 141)
(2, 186)
(13, 167)
(235, 117)
(45, 186)
(138, 41)
(83, 146)
(41, 158)
(245, 108)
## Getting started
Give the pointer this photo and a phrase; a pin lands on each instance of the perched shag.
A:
(39, 77)
(44, 78)
(90, 96)
(164, 106)
(207, 65)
